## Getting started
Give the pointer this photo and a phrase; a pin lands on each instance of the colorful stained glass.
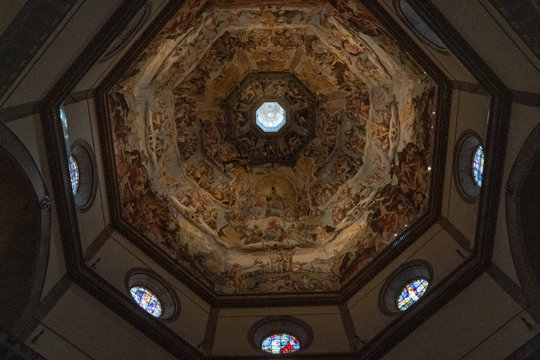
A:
(270, 117)
(147, 300)
(280, 344)
(74, 174)
(478, 165)
(411, 293)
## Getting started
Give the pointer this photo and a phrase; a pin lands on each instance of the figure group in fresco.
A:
(245, 100)
(241, 226)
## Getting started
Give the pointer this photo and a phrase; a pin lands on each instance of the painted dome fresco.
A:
(303, 208)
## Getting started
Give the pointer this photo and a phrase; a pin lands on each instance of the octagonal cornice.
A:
(404, 238)
(398, 329)
(283, 146)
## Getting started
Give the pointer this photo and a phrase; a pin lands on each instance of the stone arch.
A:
(24, 233)
(522, 209)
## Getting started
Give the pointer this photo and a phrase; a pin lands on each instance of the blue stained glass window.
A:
(411, 293)
(280, 344)
(478, 165)
(146, 300)
(270, 117)
(74, 174)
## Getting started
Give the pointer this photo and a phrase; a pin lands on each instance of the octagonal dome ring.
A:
(270, 117)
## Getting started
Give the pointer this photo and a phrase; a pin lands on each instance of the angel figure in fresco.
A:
(294, 140)
(248, 141)
(271, 149)
(274, 231)
(380, 136)
(234, 273)
(412, 171)
(256, 236)
(248, 95)
(202, 173)
(338, 215)
(302, 121)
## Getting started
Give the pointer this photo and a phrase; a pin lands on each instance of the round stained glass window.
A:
(411, 293)
(146, 300)
(419, 25)
(478, 165)
(280, 344)
(74, 174)
(270, 116)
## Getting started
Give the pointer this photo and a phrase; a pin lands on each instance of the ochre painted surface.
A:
(300, 227)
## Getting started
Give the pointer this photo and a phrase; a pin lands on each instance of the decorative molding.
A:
(444, 97)
(401, 326)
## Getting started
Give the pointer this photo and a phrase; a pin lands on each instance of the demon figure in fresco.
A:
(300, 210)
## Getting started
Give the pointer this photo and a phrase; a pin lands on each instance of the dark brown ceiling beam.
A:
(526, 98)
(28, 109)
(519, 97)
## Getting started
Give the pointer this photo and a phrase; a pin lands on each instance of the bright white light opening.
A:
(270, 117)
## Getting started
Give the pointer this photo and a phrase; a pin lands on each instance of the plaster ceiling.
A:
(307, 221)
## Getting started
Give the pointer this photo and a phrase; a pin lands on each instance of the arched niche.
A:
(24, 233)
(522, 217)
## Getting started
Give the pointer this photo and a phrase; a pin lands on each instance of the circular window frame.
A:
(418, 33)
(84, 157)
(128, 32)
(464, 150)
(260, 124)
(273, 325)
(252, 114)
(396, 282)
(170, 305)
